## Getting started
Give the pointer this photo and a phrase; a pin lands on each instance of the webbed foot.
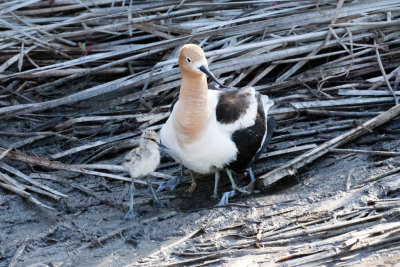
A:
(130, 215)
(225, 198)
(161, 203)
(171, 185)
(250, 188)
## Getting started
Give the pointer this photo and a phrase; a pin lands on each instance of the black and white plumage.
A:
(141, 162)
(212, 130)
(234, 109)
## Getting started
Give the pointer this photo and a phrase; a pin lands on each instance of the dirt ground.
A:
(81, 80)
(96, 207)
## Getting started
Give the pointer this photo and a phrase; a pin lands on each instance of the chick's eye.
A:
(188, 60)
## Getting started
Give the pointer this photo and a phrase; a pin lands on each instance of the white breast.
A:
(144, 164)
(212, 151)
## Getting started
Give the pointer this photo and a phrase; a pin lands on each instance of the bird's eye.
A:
(188, 60)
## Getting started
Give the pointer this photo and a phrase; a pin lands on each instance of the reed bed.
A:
(80, 80)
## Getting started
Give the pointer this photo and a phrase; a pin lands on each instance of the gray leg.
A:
(251, 174)
(172, 184)
(153, 193)
(250, 187)
(225, 198)
(228, 171)
(156, 200)
(234, 187)
(131, 214)
(217, 176)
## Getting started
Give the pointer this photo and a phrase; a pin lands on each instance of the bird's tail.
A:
(270, 125)
(267, 103)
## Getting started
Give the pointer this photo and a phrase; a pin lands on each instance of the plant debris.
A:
(80, 80)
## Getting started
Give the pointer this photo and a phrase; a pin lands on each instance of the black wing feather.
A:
(231, 105)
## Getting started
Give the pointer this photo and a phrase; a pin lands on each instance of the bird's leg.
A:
(250, 187)
(156, 200)
(217, 176)
(131, 214)
(251, 174)
(172, 184)
(193, 184)
(228, 171)
(153, 193)
(225, 197)
(234, 186)
(182, 170)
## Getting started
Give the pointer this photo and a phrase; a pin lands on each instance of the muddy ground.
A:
(79, 83)
(95, 207)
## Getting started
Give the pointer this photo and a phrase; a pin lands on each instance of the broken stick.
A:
(25, 195)
(56, 165)
(290, 168)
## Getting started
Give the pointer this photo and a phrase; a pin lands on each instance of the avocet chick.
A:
(140, 162)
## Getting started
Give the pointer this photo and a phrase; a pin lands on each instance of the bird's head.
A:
(192, 61)
(149, 137)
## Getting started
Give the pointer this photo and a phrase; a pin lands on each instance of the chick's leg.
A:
(153, 193)
(131, 214)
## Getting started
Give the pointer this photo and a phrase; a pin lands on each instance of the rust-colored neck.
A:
(193, 112)
(193, 86)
